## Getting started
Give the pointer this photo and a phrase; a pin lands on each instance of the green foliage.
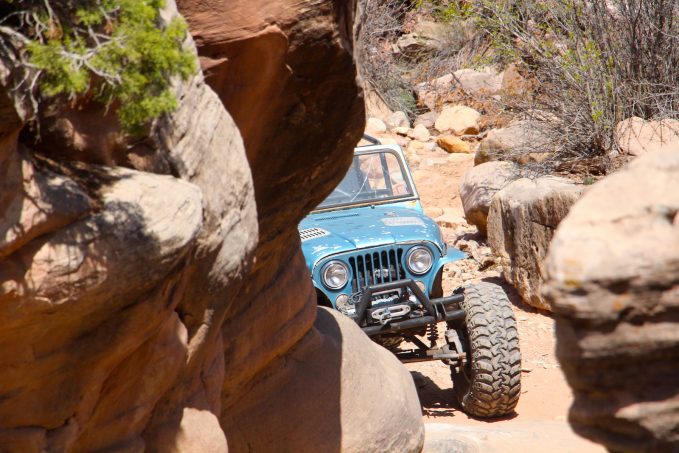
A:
(403, 99)
(446, 10)
(61, 75)
(450, 12)
(117, 52)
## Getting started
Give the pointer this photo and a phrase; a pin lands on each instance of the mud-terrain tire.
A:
(490, 383)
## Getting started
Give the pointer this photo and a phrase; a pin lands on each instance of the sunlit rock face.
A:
(137, 312)
(521, 223)
(285, 71)
(115, 278)
(613, 269)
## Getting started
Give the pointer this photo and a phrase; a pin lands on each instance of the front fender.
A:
(452, 255)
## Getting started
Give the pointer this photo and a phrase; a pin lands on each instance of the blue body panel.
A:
(364, 227)
(352, 232)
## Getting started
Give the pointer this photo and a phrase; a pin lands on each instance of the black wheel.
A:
(489, 384)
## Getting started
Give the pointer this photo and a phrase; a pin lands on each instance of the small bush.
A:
(382, 24)
(117, 52)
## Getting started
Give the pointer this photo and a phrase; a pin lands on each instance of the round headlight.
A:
(419, 260)
(335, 275)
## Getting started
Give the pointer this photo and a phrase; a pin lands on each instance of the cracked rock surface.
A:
(521, 223)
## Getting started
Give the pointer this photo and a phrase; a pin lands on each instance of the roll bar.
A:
(371, 139)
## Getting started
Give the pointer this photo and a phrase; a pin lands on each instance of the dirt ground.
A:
(540, 420)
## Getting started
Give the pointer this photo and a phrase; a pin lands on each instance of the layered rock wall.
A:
(521, 223)
(153, 293)
(101, 273)
(613, 270)
(287, 75)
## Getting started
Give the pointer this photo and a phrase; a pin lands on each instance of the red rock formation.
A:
(613, 270)
(130, 318)
(112, 283)
(285, 71)
(521, 223)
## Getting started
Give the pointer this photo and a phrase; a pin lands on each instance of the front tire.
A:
(489, 384)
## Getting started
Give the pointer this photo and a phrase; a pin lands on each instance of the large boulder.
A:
(114, 282)
(473, 82)
(106, 326)
(513, 142)
(636, 136)
(459, 120)
(613, 281)
(350, 402)
(521, 223)
(478, 186)
(286, 73)
(105, 355)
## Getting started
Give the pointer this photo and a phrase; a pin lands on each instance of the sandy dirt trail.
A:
(540, 422)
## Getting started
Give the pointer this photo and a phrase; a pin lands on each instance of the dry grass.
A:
(596, 62)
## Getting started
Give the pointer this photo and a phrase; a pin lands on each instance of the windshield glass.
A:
(372, 177)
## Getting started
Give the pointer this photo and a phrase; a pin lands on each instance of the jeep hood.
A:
(332, 232)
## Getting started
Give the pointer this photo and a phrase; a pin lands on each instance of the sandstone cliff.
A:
(152, 292)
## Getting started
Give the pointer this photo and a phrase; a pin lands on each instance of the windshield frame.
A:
(379, 149)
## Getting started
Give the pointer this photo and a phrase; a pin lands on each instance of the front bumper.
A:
(435, 310)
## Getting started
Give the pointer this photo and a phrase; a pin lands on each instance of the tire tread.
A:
(495, 384)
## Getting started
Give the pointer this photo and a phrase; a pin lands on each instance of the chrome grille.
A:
(378, 266)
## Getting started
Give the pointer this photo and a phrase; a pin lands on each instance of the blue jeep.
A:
(376, 257)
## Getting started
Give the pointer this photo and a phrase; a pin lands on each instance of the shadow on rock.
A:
(324, 396)
(514, 296)
(435, 401)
